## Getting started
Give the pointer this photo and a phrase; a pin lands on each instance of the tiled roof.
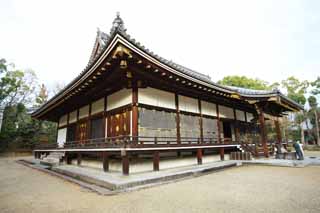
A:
(103, 39)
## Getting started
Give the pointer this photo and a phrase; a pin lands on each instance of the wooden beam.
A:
(199, 156)
(178, 118)
(156, 160)
(105, 161)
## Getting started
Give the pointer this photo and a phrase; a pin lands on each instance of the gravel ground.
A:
(242, 189)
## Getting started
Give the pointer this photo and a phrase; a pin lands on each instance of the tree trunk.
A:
(317, 127)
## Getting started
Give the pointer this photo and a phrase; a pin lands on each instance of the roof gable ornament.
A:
(118, 24)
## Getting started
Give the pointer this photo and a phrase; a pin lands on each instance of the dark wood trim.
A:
(135, 115)
(156, 160)
(176, 97)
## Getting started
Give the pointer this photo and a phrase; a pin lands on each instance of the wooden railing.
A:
(140, 141)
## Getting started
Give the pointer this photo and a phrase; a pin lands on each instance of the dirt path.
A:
(243, 189)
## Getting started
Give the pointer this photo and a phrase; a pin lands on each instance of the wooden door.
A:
(118, 124)
(83, 132)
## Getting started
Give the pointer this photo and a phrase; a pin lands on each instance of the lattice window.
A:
(189, 126)
(210, 128)
(154, 123)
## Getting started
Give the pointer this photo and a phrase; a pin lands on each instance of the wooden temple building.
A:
(129, 101)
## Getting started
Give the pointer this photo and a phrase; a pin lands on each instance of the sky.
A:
(269, 40)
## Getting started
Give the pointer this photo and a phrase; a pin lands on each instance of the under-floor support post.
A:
(156, 161)
(79, 159)
(199, 156)
(105, 161)
(221, 153)
(125, 164)
(67, 158)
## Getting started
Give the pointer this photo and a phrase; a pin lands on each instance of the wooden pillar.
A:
(221, 149)
(79, 159)
(178, 118)
(278, 131)
(199, 156)
(125, 162)
(156, 160)
(67, 158)
(135, 114)
(200, 121)
(263, 134)
(105, 161)
(236, 127)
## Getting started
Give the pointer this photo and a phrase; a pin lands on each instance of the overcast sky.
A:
(270, 40)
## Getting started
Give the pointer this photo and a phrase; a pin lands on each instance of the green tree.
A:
(313, 109)
(296, 91)
(245, 82)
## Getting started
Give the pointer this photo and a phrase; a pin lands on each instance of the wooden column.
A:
(278, 131)
(178, 119)
(200, 121)
(135, 114)
(125, 162)
(221, 149)
(105, 161)
(79, 159)
(67, 158)
(199, 156)
(89, 124)
(236, 127)
(263, 134)
(156, 160)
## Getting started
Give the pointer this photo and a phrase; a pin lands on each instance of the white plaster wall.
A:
(249, 116)
(73, 117)
(63, 120)
(208, 108)
(97, 106)
(188, 104)
(226, 112)
(240, 115)
(156, 97)
(118, 99)
(84, 112)
(62, 137)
